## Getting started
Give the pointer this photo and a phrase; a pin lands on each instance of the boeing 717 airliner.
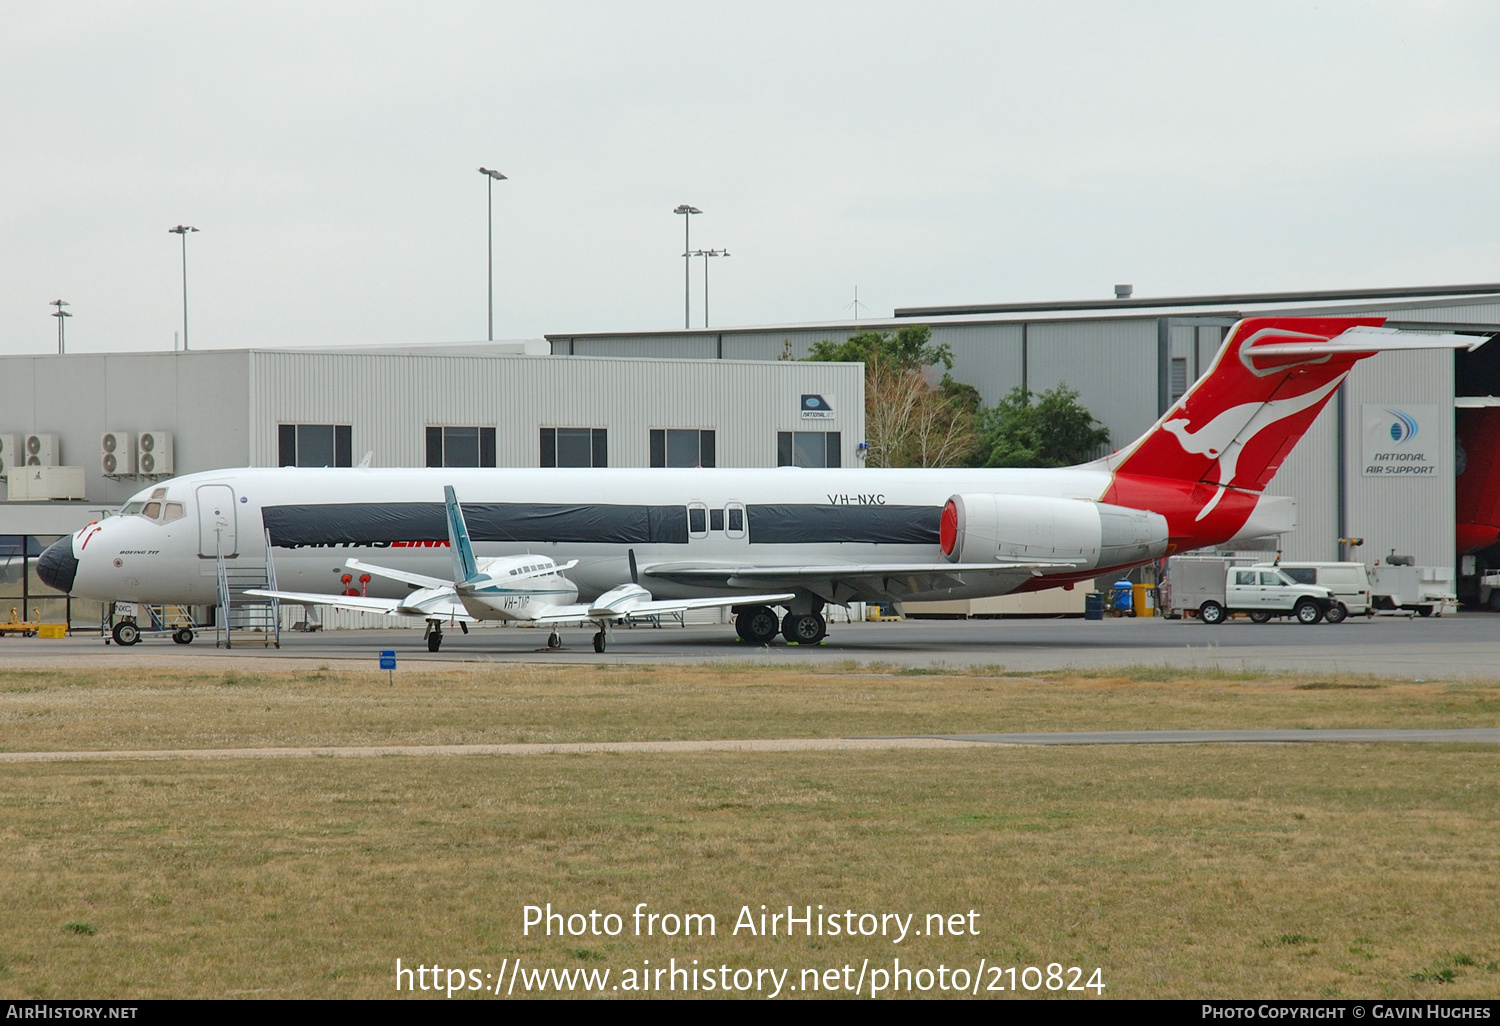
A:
(1196, 478)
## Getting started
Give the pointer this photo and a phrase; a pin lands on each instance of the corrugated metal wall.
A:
(1112, 364)
(390, 400)
(200, 397)
(1310, 476)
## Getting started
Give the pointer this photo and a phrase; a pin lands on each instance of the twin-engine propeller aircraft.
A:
(530, 589)
(1195, 478)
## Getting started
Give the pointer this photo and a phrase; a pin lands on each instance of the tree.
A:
(1049, 429)
(909, 420)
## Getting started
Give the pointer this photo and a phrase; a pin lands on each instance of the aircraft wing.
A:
(641, 604)
(847, 582)
(433, 608)
(404, 576)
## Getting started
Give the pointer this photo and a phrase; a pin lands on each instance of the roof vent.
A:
(1123, 291)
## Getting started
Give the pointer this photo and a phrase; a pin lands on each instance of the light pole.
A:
(60, 315)
(492, 177)
(705, 254)
(183, 230)
(687, 213)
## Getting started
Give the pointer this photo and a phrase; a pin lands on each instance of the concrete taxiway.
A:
(1465, 646)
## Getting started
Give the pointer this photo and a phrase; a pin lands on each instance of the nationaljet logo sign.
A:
(817, 407)
(1396, 445)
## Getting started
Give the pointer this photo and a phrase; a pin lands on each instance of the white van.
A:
(1349, 582)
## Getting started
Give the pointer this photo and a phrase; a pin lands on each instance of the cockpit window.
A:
(159, 493)
(152, 511)
(131, 509)
(174, 512)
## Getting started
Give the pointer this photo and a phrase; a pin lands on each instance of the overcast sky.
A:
(926, 153)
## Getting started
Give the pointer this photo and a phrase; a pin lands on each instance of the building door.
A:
(216, 522)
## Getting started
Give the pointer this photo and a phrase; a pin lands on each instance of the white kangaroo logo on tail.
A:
(1226, 436)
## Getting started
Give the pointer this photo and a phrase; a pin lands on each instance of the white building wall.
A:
(390, 400)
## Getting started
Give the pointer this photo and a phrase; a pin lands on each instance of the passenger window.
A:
(1244, 577)
(1272, 579)
(174, 512)
(152, 511)
(736, 520)
(697, 520)
(716, 520)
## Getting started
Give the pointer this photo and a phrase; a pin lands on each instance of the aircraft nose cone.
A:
(56, 566)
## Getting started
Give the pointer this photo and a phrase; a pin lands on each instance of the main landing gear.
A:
(758, 625)
(434, 635)
(804, 628)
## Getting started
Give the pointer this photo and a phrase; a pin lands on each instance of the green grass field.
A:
(1293, 870)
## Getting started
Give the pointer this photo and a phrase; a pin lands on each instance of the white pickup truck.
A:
(1207, 589)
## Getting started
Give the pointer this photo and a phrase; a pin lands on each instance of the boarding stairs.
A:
(253, 619)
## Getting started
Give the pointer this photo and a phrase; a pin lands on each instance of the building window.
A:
(575, 447)
(1179, 377)
(315, 445)
(808, 449)
(672, 447)
(460, 447)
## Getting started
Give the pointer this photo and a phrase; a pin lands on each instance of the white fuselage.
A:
(603, 518)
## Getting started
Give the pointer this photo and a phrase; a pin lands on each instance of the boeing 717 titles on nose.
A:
(529, 544)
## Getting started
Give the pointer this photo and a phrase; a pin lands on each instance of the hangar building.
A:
(1130, 358)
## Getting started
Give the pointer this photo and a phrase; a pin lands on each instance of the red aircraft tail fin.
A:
(1211, 455)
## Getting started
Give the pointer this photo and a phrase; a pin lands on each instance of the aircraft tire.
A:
(757, 625)
(126, 634)
(434, 641)
(1260, 616)
(804, 628)
(1211, 613)
(599, 642)
(554, 640)
(1336, 613)
(184, 636)
(1307, 612)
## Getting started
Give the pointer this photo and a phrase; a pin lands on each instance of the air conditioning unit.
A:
(10, 453)
(117, 453)
(42, 451)
(154, 453)
(35, 483)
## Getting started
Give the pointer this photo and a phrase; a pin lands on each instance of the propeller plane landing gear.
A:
(554, 640)
(434, 635)
(600, 640)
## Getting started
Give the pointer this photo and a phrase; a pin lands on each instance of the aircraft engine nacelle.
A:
(986, 527)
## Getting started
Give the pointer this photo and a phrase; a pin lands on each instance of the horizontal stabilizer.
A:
(1367, 339)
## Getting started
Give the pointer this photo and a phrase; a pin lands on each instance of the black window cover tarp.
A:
(894, 525)
(377, 523)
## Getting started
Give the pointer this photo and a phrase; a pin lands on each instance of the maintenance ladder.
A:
(254, 618)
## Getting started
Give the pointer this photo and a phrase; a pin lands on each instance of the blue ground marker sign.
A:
(388, 663)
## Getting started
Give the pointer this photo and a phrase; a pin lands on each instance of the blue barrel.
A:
(1122, 590)
(1093, 606)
